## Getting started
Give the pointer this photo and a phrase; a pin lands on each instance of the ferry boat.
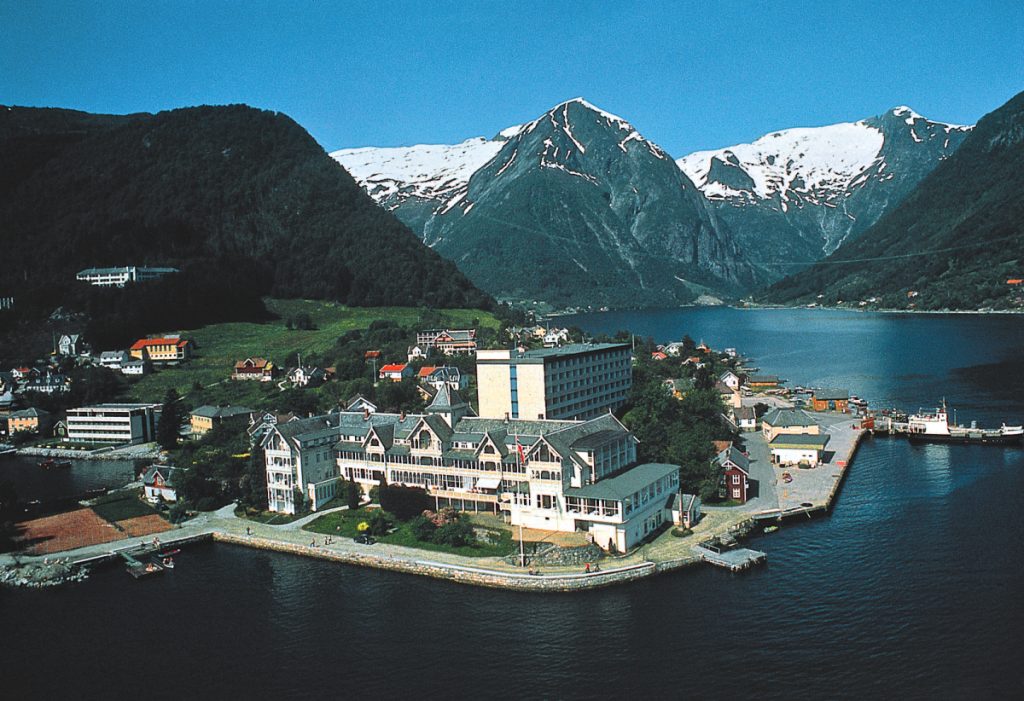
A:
(935, 427)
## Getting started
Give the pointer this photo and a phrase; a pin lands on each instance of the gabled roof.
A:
(787, 417)
(735, 457)
(446, 400)
(167, 472)
(30, 413)
(425, 371)
(831, 394)
(220, 412)
(359, 401)
(253, 363)
(393, 367)
(745, 412)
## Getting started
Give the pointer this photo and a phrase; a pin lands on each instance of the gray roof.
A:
(30, 413)
(168, 472)
(568, 350)
(220, 412)
(799, 440)
(684, 502)
(831, 394)
(732, 454)
(446, 400)
(745, 412)
(624, 485)
(766, 379)
(787, 417)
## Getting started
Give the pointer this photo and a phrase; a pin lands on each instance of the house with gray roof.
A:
(795, 421)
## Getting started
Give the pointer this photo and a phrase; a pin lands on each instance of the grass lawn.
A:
(344, 524)
(121, 505)
(271, 518)
(218, 346)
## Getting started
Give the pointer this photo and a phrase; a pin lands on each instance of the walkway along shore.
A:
(666, 554)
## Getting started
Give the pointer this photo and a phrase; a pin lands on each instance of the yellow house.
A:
(788, 422)
(30, 420)
(162, 350)
(204, 418)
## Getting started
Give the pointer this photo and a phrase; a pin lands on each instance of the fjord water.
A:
(910, 588)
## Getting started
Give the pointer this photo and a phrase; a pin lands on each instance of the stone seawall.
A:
(463, 575)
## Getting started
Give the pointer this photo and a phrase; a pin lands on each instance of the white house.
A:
(685, 509)
(730, 380)
(418, 352)
(396, 372)
(798, 449)
(134, 368)
(114, 359)
(745, 418)
(69, 345)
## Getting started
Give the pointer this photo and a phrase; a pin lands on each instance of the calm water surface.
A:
(33, 482)
(911, 588)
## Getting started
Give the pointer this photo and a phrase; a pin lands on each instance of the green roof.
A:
(793, 440)
(832, 394)
(624, 485)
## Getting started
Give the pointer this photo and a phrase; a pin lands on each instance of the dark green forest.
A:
(951, 244)
(243, 201)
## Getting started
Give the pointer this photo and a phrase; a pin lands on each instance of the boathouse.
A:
(831, 400)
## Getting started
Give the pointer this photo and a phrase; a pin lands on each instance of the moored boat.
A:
(935, 427)
(50, 463)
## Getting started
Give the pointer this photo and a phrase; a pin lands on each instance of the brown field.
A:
(143, 525)
(67, 531)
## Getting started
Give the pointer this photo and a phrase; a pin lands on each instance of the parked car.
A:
(365, 539)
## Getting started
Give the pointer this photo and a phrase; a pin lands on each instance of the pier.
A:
(733, 559)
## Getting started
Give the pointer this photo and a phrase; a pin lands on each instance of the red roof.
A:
(426, 370)
(393, 368)
(371, 354)
(145, 342)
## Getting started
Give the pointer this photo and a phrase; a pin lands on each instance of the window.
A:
(735, 479)
(736, 493)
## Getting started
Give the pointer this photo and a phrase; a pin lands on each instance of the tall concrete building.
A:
(578, 381)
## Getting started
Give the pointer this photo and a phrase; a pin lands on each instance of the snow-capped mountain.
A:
(802, 192)
(412, 181)
(748, 212)
(578, 208)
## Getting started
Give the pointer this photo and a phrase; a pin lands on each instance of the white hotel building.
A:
(113, 423)
(577, 475)
(578, 381)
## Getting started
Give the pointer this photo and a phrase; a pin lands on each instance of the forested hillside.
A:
(243, 201)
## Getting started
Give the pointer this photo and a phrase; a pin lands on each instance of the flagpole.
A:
(519, 463)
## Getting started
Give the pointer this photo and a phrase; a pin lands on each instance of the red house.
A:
(735, 481)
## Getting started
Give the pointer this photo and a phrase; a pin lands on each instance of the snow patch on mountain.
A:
(430, 171)
(803, 160)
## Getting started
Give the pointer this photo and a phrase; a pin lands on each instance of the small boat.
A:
(165, 562)
(50, 463)
(168, 553)
(770, 529)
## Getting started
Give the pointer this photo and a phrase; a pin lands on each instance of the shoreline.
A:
(223, 527)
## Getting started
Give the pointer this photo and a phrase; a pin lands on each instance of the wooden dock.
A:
(732, 559)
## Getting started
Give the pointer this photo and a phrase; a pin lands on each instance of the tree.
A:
(169, 425)
(299, 499)
(455, 534)
(352, 494)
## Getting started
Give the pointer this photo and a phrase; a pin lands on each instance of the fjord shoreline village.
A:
(546, 456)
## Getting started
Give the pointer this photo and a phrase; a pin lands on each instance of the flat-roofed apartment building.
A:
(113, 423)
(554, 475)
(119, 277)
(577, 381)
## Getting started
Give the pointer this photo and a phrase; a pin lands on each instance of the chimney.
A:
(506, 417)
(401, 416)
(366, 414)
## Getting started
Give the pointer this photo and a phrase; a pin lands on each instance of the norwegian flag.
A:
(522, 453)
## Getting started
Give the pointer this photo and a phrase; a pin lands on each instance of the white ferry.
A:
(935, 427)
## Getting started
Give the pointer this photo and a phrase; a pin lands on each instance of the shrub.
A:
(681, 532)
(379, 523)
(455, 534)
(423, 528)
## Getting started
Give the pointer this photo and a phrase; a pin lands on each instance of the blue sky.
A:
(689, 75)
